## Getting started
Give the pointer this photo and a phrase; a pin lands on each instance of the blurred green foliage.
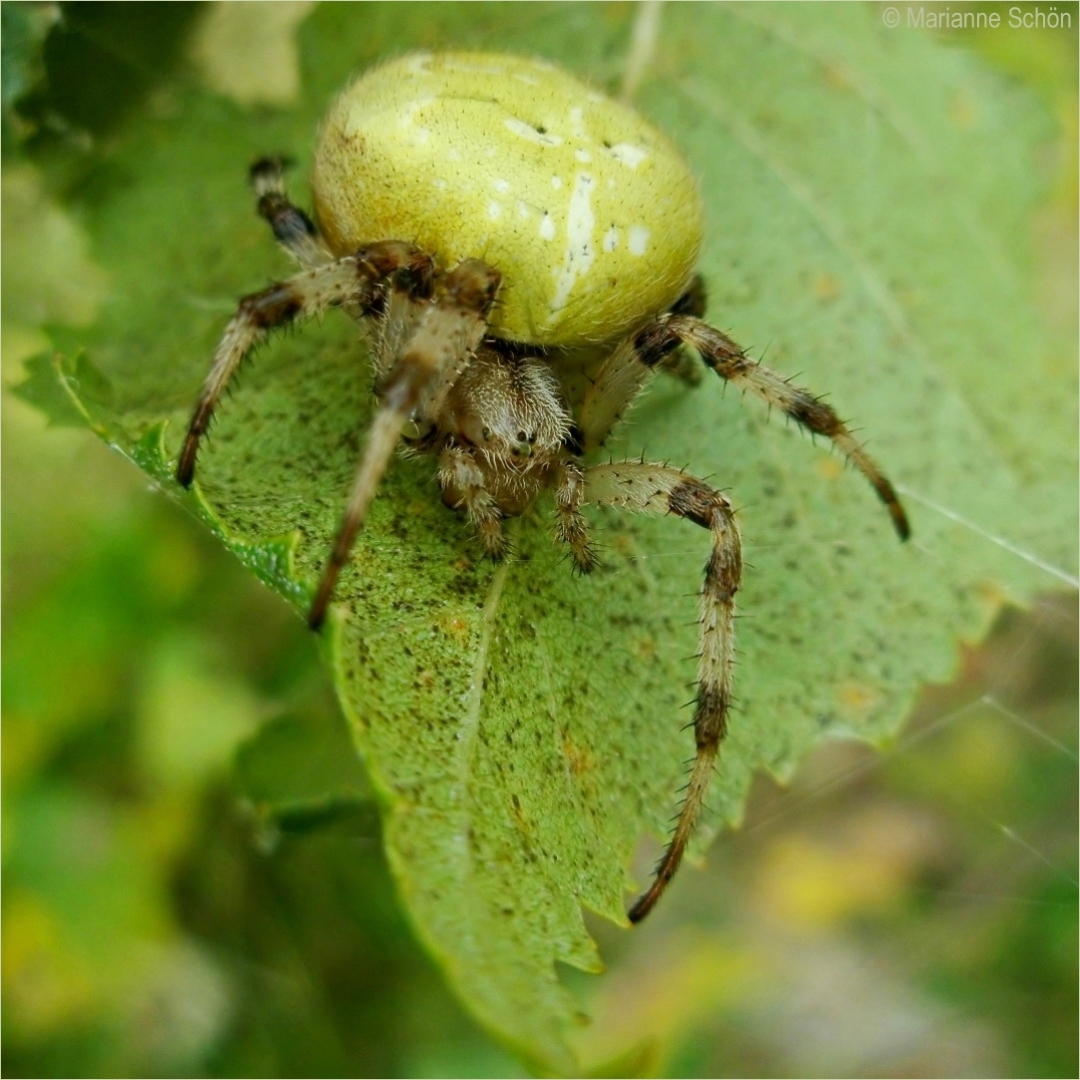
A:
(193, 877)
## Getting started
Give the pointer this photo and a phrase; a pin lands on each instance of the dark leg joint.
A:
(472, 285)
(721, 579)
(272, 307)
(290, 223)
(710, 720)
(694, 501)
(411, 268)
(719, 352)
(655, 342)
(813, 414)
(266, 173)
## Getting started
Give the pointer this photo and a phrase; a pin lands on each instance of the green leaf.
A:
(48, 388)
(91, 66)
(299, 773)
(869, 198)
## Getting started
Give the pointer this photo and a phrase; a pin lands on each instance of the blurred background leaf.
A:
(178, 902)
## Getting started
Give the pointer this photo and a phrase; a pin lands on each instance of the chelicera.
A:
(499, 223)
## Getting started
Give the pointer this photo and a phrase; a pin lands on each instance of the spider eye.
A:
(485, 434)
(522, 437)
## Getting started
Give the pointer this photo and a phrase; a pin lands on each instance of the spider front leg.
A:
(627, 369)
(351, 280)
(658, 489)
(446, 335)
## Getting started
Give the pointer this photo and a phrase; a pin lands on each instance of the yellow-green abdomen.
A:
(590, 214)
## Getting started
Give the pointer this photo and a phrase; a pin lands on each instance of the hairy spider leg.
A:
(401, 309)
(730, 362)
(680, 362)
(446, 335)
(293, 229)
(300, 237)
(626, 370)
(612, 393)
(350, 280)
(658, 489)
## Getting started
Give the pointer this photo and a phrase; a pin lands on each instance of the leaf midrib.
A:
(470, 726)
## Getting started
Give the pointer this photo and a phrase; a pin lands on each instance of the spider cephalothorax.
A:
(589, 225)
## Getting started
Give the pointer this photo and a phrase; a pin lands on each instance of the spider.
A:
(500, 223)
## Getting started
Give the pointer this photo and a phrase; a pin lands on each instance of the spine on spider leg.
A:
(723, 574)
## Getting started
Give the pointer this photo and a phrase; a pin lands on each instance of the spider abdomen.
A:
(587, 210)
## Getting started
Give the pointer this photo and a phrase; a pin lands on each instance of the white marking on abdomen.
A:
(580, 252)
(628, 154)
(639, 240)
